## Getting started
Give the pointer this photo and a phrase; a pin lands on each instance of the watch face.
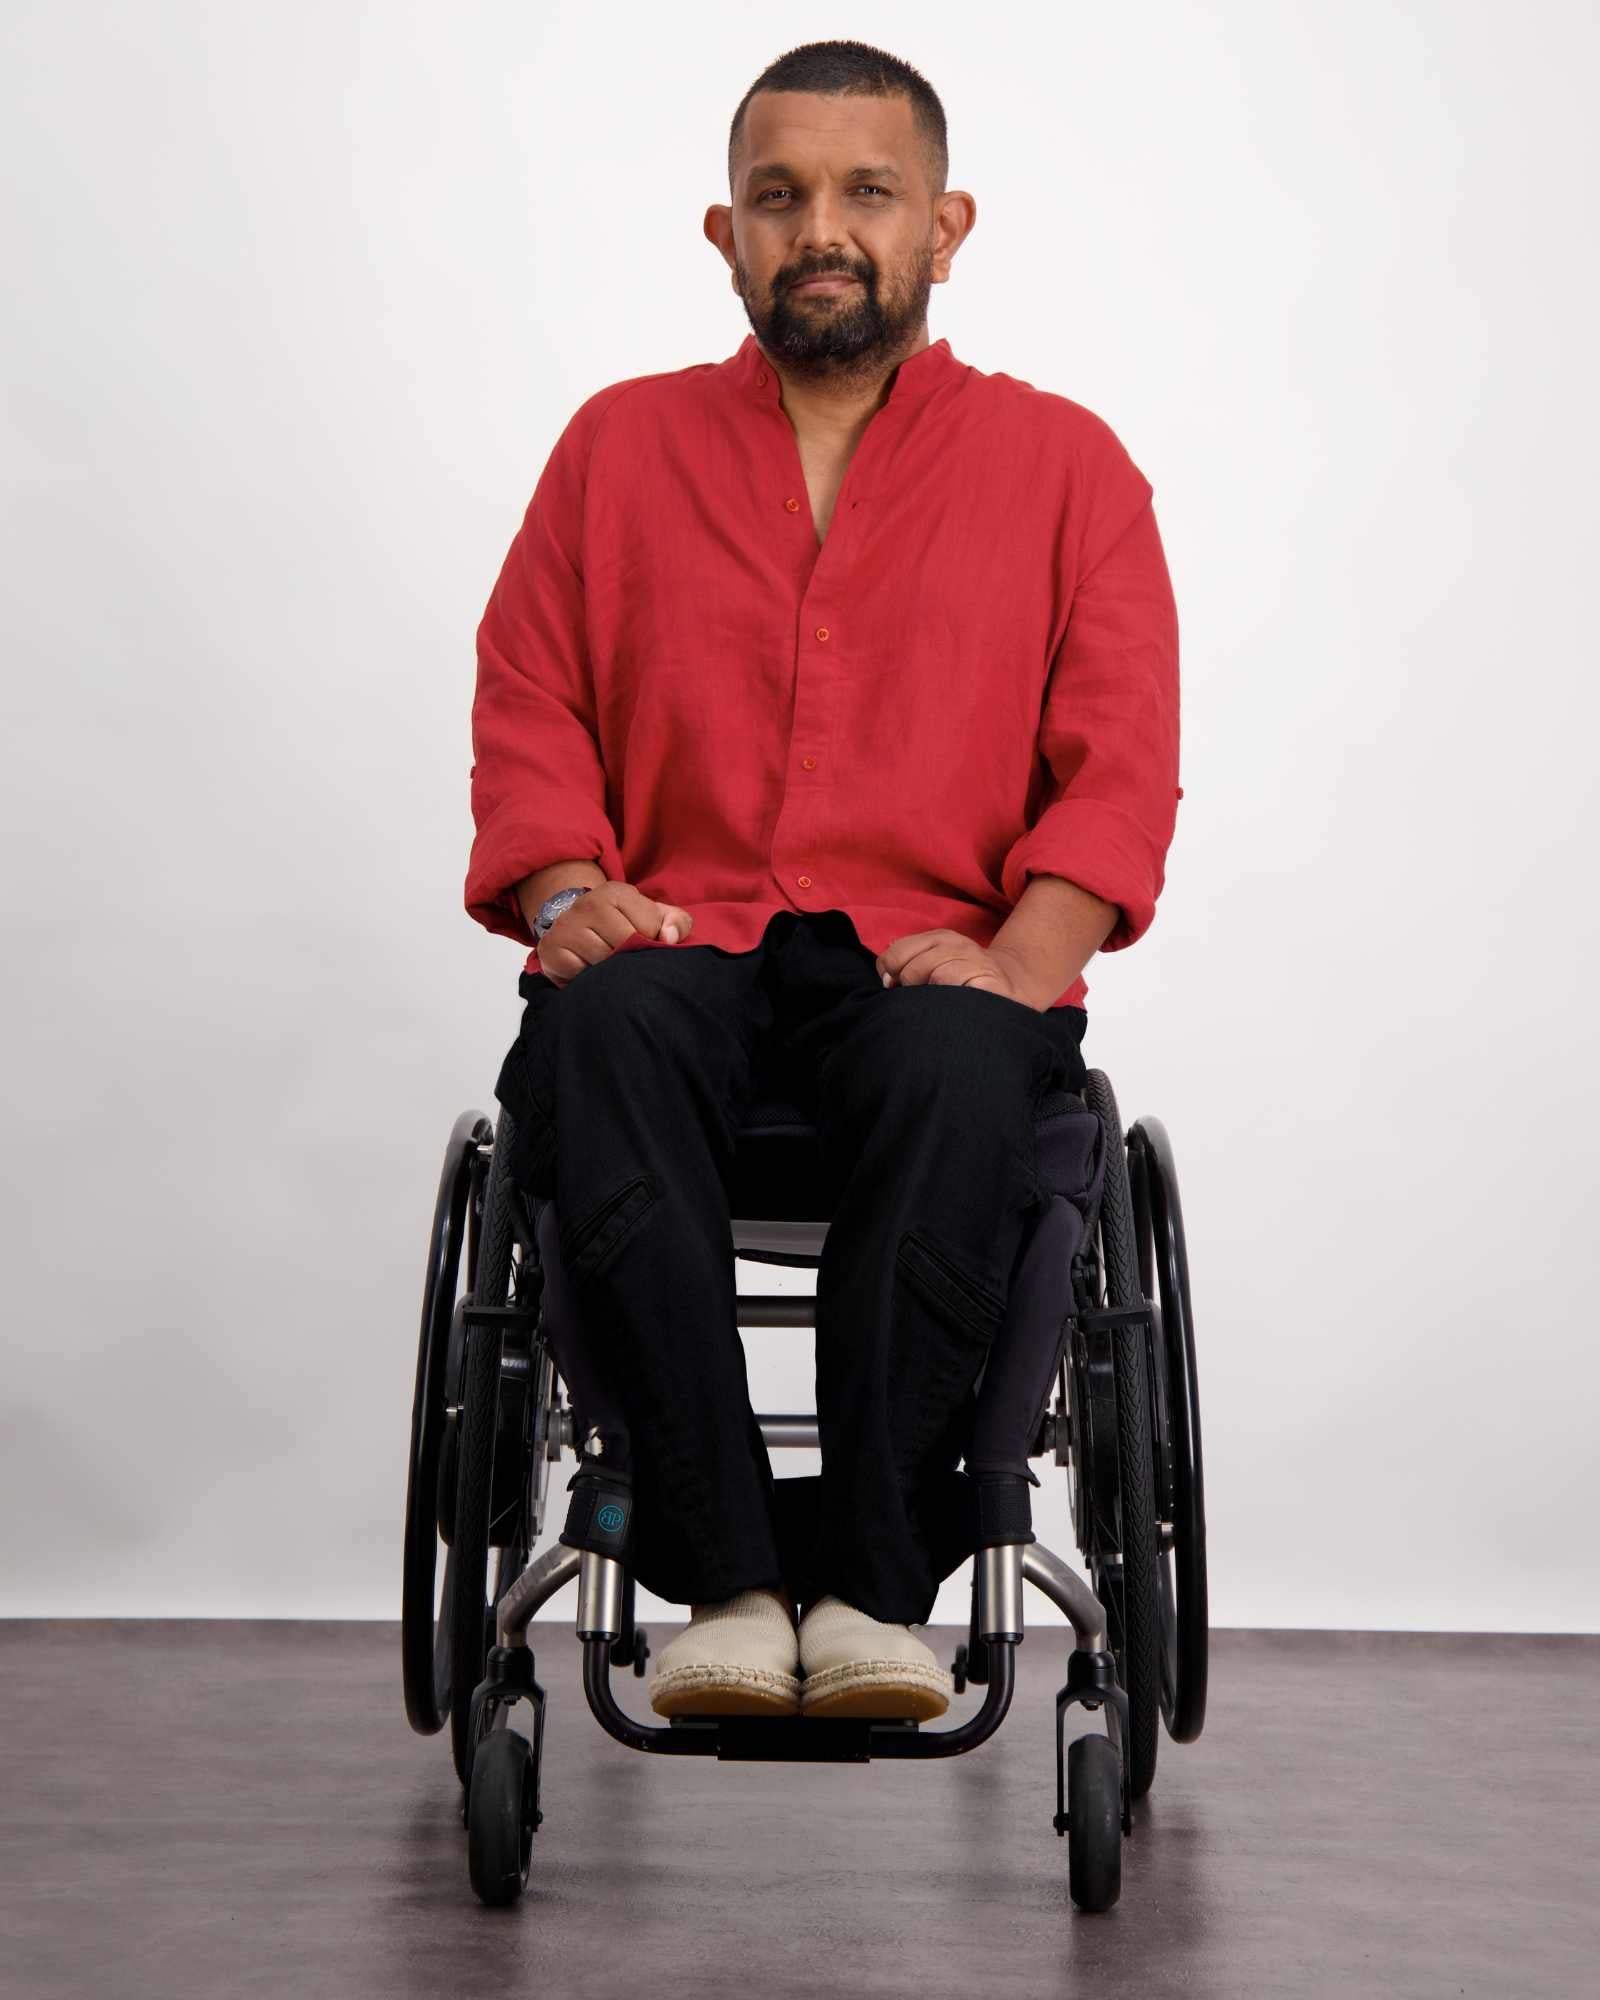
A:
(553, 907)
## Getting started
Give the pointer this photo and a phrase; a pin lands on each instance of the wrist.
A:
(1025, 981)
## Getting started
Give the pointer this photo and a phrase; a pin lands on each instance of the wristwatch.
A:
(555, 906)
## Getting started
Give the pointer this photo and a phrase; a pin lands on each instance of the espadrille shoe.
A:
(735, 1658)
(855, 1665)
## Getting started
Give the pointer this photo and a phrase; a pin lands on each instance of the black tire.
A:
(1183, 1594)
(502, 1813)
(1130, 1590)
(471, 1610)
(425, 1608)
(1094, 1822)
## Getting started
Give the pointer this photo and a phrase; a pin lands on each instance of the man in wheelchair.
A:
(826, 724)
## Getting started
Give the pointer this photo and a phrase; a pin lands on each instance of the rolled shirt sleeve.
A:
(538, 785)
(1109, 727)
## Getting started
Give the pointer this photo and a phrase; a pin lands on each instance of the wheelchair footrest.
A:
(816, 1739)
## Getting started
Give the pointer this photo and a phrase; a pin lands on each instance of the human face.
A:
(832, 186)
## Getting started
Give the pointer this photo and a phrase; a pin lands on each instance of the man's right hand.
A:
(600, 921)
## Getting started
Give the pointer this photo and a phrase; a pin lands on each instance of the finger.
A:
(943, 961)
(592, 930)
(890, 960)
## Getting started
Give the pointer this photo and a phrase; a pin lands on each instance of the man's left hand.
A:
(946, 958)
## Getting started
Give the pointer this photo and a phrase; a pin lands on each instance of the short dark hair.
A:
(855, 69)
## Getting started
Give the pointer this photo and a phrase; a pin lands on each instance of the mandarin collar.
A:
(917, 377)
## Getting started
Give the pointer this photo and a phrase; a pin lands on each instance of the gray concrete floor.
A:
(220, 1809)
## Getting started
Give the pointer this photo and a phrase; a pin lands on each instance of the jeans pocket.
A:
(589, 1244)
(950, 1291)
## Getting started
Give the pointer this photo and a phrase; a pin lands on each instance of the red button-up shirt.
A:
(971, 680)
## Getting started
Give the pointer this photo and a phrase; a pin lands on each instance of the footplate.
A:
(791, 1739)
(796, 1739)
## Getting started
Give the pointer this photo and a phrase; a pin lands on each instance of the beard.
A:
(856, 332)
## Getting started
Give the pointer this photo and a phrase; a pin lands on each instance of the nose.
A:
(820, 235)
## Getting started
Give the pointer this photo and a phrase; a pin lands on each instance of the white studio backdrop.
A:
(301, 296)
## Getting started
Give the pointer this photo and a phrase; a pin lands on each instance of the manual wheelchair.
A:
(1093, 1367)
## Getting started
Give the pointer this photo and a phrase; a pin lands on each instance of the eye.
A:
(871, 186)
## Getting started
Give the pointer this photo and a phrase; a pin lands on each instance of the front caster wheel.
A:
(1094, 1822)
(502, 1812)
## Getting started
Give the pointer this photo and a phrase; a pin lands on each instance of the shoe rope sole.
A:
(724, 1690)
(890, 1690)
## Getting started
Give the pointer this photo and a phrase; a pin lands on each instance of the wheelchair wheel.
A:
(426, 1604)
(1182, 1594)
(492, 1504)
(1125, 1576)
(1094, 1822)
(502, 1814)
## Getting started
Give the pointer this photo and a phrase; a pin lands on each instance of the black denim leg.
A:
(925, 1101)
(637, 1074)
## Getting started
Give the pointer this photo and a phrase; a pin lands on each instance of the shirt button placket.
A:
(810, 763)
(821, 635)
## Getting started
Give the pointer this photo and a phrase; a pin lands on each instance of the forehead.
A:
(795, 131)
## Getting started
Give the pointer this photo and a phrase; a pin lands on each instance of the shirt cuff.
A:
(1101, 848)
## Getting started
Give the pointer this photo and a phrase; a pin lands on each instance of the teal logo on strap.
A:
(611, 1517)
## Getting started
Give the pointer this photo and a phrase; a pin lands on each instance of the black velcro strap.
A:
(1001, 1510)
(599, 1514)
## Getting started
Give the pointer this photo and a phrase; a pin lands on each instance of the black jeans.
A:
(627, 1087)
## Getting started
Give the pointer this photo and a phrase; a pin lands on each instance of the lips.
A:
(831, 281)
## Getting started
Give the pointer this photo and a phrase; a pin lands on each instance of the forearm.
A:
(1053, 931)
(532, 890)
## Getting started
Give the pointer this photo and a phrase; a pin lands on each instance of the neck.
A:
(837, 404)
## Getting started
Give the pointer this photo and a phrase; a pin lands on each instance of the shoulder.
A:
(637, 402)
(1102, 488)
(1070, 427)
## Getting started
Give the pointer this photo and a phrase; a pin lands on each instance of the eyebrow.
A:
(780, 170)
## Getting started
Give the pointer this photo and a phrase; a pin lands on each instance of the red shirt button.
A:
(804, 881)
(793, 506)
(761, 379)
(822, 631)
(1180, 791)
(808, 763)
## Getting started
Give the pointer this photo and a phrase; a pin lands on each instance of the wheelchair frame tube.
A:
(1066, 1589)
(600, 1583)
(798, 1738)
(1000, 1591)
(537, 1583)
